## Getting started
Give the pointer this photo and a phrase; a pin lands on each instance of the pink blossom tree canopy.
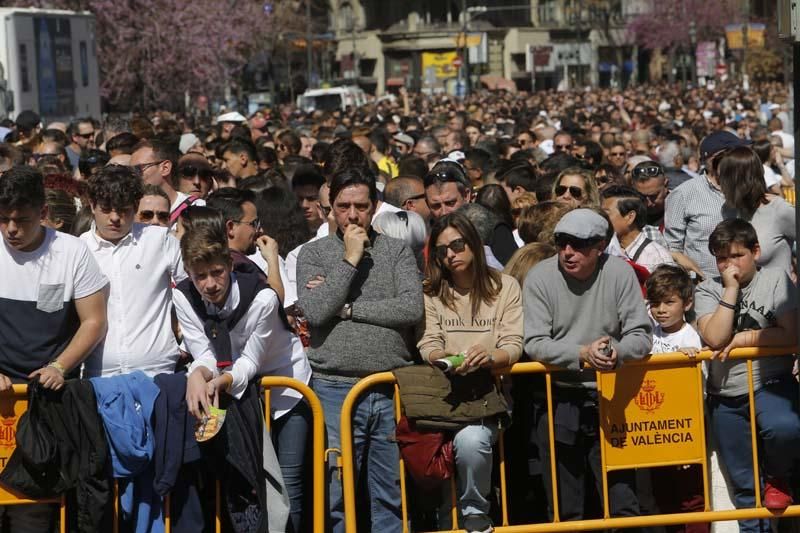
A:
(667, 22)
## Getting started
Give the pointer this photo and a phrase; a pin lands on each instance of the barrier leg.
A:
(603, 466)
(753, 434)
(403, 499)
(551, 437)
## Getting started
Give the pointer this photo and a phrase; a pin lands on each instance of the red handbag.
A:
(428, 455)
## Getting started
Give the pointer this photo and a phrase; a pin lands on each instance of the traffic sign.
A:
(457, 62)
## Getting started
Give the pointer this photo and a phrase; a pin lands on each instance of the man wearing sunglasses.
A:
(583, 309)
(649, 180)
(195, 175)
(81, 135)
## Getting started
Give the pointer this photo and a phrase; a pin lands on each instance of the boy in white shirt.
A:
(669, 297)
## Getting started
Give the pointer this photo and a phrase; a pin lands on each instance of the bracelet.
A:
(58, 366)
(726, 305)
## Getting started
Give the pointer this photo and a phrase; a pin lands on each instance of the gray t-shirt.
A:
(774, 225)
(769, 295)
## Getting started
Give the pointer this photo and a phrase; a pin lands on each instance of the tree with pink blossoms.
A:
(666, 23)
(152, 52)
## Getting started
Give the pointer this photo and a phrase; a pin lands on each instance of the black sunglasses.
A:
(147, 214)
(189, 171)
(86, 136)
(457, 245)
(563, 240)
(650, 171)
(575, 192)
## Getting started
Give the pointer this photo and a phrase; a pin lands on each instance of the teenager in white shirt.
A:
(235, 328)
(142, 262)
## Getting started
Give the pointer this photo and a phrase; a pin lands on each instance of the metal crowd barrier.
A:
(13, 404)
(643, 397)
(789, 194)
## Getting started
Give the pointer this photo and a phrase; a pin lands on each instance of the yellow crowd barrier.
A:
(651, 414)
(15, 402)
(789, 194)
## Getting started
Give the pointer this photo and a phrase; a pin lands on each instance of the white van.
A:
(331, 99)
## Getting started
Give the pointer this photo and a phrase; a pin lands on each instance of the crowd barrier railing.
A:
(651, 414)
(15, 402)
(789, 194)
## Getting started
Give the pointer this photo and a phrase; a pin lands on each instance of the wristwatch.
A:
(346, 312)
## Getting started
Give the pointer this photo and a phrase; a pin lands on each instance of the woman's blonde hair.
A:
(589, 185)
(526, 258)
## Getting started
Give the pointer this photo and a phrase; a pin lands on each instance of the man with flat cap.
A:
(694, 209)
(583, 308)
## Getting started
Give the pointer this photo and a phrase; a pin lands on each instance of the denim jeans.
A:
(374, 448)
(473, 454)
(290, 437)
(778, 428)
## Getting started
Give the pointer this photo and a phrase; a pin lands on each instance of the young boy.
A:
(669, 296)
(750, 306)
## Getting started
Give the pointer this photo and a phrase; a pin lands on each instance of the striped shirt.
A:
(693, 210)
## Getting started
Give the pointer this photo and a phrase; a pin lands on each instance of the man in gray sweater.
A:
(582, 307)
(360, 292)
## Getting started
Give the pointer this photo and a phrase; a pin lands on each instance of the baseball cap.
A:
(582, 224)
(718, 141)
(233, 116)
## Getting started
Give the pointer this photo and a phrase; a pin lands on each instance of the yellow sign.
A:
(651, 417)
(734, 34)
(11, 408)
(440, 64)
(468, 39)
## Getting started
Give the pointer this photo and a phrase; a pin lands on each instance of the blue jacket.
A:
(125, 403)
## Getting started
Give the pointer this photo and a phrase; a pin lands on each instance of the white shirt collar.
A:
(133, 236)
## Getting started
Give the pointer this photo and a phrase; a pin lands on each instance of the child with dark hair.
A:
(749, 306)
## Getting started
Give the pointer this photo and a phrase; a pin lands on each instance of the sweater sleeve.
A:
(538, 326)
(433, 338)
(321, 304)
(509, 330)
(406, 308)
(636, 330)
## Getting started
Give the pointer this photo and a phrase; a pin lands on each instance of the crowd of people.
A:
(170, 260)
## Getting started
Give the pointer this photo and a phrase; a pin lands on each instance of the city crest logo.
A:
(8, 433)
(649, 398)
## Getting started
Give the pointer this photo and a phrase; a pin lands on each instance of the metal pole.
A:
(465, 59)
(796, 126)
(309, 65)
(693, 52)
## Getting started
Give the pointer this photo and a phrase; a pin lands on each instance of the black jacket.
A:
(61, 445)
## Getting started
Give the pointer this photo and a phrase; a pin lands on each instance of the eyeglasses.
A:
(144, 166)
(652, 198)
(563, 240)
(190, 171)
(616, 154)
(402, 215)
(650, 171)
(457, 245)
(575, 192)
(255, 224)
(37, 157)
(147, 215)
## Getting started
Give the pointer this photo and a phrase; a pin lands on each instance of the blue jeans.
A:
(473, 453)
(374, 448)
(778, 428)
(290, 437)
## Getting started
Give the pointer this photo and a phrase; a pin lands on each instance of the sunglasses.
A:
(147, 215)
(457, 245)
(144, 166)
(562, 241)
(560, 147)
(190, 171)
(616, 154)
(37, 157)
(650, 171)
(86, 136)
(575, 192)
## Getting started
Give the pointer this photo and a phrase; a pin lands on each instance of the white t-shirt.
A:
(771, 177)
(37, 294)
(686, 337)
